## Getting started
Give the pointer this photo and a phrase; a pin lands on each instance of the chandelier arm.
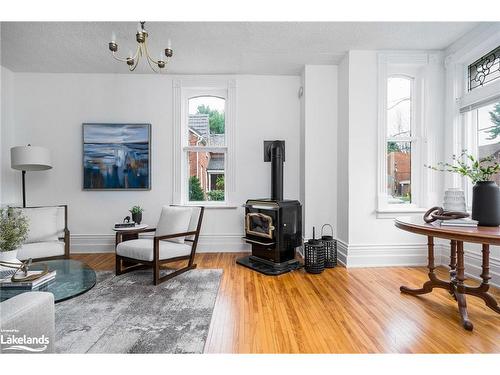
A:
(118, 58)
(148, 55)
(137, 58)
(151, 66)
(137, 52)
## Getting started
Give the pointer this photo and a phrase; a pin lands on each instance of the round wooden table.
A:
(485, 236)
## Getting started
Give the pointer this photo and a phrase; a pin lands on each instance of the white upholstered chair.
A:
(48, 236)
(176, 238)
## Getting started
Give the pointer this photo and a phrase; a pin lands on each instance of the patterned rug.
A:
(127, 314)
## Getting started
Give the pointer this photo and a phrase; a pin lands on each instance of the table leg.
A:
(460, 288)
(453, 266)
(433, 282)
(482, 290)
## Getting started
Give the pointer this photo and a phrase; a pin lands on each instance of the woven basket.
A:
(330, 245)
(314, 256)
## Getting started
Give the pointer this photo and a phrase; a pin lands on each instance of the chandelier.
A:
(142, 51)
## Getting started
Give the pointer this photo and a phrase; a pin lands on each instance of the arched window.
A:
(205, 147)
(404, 123)
(399, 138)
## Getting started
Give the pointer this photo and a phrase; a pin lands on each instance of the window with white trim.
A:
(401, 161)
(400, 124)
(204, 146)
(479, 107)
(203, 141)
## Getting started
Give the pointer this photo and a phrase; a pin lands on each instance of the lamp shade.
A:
(30, 158)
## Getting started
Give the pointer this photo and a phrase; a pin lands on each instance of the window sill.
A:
(220, 206)
(392, 213)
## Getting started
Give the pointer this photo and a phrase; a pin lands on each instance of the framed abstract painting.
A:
(116, 156)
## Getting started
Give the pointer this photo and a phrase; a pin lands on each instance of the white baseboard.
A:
(209, 243)
(342, 252)
(388, 255)
(349, 255)
(411, 255)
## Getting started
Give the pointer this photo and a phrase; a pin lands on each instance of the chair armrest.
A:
(168, 236)
(119, 234)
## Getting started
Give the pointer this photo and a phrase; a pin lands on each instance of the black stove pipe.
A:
(277, 158)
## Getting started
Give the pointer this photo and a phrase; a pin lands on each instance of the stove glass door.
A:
(259, 224)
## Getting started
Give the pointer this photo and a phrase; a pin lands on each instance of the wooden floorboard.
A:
(340, 311)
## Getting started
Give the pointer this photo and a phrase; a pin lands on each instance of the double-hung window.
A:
(205, 146)
(400, 159)
(401, 137)
(202, 135)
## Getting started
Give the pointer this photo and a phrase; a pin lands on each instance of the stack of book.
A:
(465, 222)
(7, 283)
(124, 225)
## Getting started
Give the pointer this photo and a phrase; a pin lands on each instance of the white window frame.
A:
(462, 102)
(408, 65)
(183, 90)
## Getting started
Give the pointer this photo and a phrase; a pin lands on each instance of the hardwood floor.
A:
(339, 311)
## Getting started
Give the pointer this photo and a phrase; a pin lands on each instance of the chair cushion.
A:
(42, 224)
(193, 222)
(40, 250)
(174, 220)
(142, 249)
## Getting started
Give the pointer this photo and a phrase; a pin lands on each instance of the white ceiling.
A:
(213, 47)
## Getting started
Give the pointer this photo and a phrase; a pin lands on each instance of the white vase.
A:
(10, 257)
(454, 200)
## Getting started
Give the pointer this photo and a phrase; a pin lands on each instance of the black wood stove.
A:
(273, 226)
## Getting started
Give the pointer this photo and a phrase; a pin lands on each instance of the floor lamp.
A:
(29, 158)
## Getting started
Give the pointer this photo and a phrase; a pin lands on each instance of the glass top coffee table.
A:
(72, 279)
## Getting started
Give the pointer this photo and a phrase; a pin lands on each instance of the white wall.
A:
(10, 180)
(319, 137)
(50, 108)
(343, 155)
(374, 241)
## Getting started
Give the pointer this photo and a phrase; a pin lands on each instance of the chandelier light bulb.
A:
(113, 38)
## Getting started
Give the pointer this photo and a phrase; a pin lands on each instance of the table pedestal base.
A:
(456, 285)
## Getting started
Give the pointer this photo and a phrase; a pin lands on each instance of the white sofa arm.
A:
(27, 323)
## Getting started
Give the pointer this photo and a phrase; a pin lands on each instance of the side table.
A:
(131, 233)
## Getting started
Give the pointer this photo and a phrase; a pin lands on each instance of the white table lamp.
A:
(29, 158)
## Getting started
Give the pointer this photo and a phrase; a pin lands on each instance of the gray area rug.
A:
(127, 314)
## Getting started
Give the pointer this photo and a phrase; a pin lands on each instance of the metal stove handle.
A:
(258, 242)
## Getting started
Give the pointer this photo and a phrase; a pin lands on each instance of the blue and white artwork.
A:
(116, 156)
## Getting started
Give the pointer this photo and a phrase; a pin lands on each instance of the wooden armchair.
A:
(133, 252)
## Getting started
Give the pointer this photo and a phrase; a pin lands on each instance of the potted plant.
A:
(14, 230)
(136, 212)
(485, 193)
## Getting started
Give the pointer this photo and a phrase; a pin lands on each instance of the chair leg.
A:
(156, 272)
(175, 273)
(118, 265)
